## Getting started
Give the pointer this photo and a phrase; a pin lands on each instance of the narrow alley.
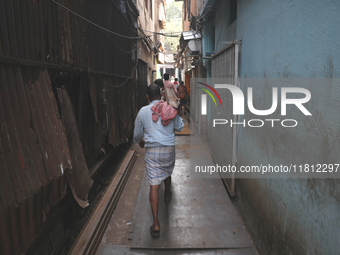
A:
(169, 127)
(200, 219)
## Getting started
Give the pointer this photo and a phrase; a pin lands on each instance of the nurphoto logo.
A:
(238, 104)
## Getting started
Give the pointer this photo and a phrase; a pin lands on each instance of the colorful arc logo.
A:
(213, 90)
(204, 97)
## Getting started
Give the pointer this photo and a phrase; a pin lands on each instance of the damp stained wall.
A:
(289, 39)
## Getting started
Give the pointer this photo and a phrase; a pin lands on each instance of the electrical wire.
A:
(169, 34)
(130, 8)
(212, 8)
(133, 29)
(199, 18)
(115, 86)
(89, 21)
(109, 31)
(117, 45)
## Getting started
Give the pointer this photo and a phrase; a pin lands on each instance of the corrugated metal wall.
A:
(44, 48)
(34, 155)
(43, 31)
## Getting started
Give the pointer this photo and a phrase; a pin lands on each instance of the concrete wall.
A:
(289, 39)
(149, 20)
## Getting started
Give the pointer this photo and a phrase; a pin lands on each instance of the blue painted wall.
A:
(208, 44)
(289, 39)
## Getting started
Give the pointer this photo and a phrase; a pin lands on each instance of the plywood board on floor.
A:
(200, 214)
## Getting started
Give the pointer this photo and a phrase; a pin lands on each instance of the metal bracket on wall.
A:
(237, 41)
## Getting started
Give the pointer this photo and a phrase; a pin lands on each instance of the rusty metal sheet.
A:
(37, 43)
(54, 32)
(0, 46)
(41, 29)
(11, 32)
(89, 129)
(63, 35)
(79, 177)
(93, 94)
(30, 28)
(33, 156)
(18, 29)
(119, 112)
(23, 17)
(82, 28)
(75, 35)
(124, 111)
(34, 150)
(49, 30)
(113, 113)
(3, 30)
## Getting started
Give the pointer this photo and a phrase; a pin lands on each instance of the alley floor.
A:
(200, 219)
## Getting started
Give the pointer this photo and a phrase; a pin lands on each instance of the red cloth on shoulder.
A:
(163, 110)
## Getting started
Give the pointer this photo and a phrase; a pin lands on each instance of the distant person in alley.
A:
(183, 96)
(176, 83)
(158, 121)
(168, 83)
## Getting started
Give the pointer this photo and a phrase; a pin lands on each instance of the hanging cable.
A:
(169, 34)
(210, 7)
(114, 33)
(117, 86)
(117, 45)
(89, 21)
(130, 8)
(179, 32)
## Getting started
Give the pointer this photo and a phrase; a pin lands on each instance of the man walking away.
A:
(159, 140)
(183, 96)
(176, 83)
(169, 84)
